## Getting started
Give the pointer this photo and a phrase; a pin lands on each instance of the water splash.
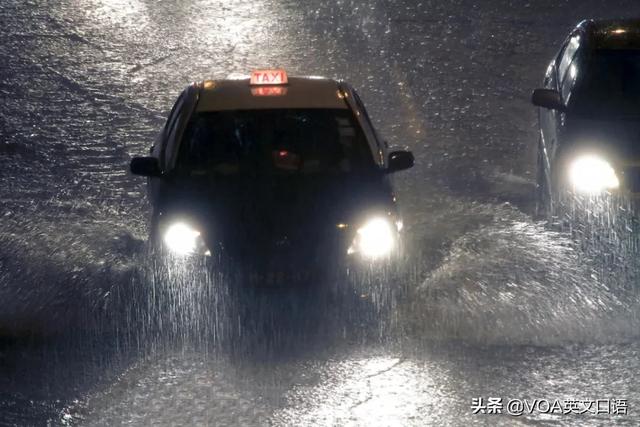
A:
(512, 281)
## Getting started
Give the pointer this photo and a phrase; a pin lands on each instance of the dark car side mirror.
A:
(547, 98)
(400, 160)
(145, 166)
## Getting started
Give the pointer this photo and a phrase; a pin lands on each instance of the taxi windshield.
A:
(610, 86)
(277, 141)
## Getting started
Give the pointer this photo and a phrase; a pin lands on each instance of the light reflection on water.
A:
(430, 384)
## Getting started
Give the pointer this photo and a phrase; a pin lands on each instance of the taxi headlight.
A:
(375, 239)
(181, 238)
(592, 174)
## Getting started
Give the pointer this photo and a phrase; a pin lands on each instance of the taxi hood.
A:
(279, 206)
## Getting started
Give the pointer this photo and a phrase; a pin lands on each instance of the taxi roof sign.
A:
(269, 91)
(269, 77)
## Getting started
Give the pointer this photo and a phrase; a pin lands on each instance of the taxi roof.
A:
(299, 92)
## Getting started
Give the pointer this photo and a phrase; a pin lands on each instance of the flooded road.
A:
(490, 304)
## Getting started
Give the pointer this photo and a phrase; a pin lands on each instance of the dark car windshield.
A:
(610, 86)
(280, 141)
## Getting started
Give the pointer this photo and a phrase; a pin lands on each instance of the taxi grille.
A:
(632, 179)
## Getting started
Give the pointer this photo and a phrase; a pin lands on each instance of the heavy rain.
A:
(488, 301)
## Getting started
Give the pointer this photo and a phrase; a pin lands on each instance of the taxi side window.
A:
(170, 129)
(367, 119)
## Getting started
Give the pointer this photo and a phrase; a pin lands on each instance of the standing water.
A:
(489, 304)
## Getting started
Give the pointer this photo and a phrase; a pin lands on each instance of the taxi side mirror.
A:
(547, 98)
(145, 166)
(399, 160)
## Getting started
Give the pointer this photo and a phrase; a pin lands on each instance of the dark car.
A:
(273, 173)
(589, 114)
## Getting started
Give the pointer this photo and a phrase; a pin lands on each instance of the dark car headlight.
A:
(592, 174)
(376, 238)
(182, 239)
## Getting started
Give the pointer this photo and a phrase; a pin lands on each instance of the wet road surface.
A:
(491, 303)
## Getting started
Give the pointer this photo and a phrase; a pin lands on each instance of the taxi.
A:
(274, 172)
